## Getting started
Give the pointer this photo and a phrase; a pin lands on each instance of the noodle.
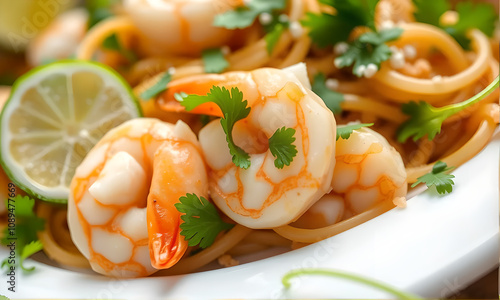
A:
(267, 238)
(446, 84)
(244, 249)
(96, 36)
(316, 235)
(356, 103)
(489, 113)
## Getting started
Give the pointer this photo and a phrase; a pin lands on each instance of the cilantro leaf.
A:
(331, 98)
(233, 108)
(345, 131)
(238, 18)
(244, 16)
(438, 178)
(430, 11)
(214, 60)
(158, 87)
(363, 11)
(368, 48)
(282, 147)
(326, 29)
(273, 37)
(25, 233)
(382, 36)
(202, 223)
(426, 119)
(28, 250)
(472, 15)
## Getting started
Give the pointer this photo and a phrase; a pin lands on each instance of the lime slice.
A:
(55, 114)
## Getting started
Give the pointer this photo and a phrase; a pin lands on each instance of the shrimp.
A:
(326, 211)
(60, 39)
(263, 196)
(368, 171)
(189, 23)
(121, 212)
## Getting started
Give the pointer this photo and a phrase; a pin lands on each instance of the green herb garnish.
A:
(202, 222)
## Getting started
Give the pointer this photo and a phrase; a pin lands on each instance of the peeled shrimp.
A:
(368, 171)
(326, 211)
(60, 39)
(263, 196)
(121, 212)
(189, 24)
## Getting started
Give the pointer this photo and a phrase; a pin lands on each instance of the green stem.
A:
(348, 276)
(455, 108)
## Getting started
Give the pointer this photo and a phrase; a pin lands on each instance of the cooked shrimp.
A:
(189, 23)
(60, 39)
(368, 171)
(326, 211)
(263, 196)
(121, 210)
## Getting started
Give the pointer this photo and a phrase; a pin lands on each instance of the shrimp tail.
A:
(166, 245)
(165, 248)
(201, 85)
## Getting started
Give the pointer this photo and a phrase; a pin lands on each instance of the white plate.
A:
(432, 248)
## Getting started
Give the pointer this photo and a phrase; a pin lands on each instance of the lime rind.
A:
(29, 80)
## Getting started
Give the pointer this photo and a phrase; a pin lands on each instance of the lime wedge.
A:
(55, 114)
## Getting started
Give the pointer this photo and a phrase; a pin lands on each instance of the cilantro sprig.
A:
(426, 119)
(438, 177)
(202, 222)
(282, 147)
(234, 109)
(24, 235)
(157, 88)
(244, 16)
(430, 11)
(368, 48)
(214, 60)
(331, 98)
(327, 29)
(345, 131)
(470, 15)
(367, 51)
